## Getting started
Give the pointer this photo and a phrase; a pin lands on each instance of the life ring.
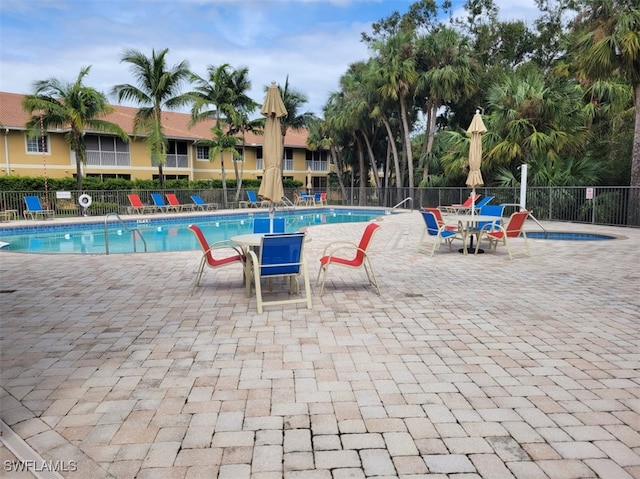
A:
(85, 201)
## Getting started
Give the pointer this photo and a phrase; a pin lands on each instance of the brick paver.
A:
(475, 366)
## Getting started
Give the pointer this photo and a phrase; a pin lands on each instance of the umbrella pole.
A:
(272, 212)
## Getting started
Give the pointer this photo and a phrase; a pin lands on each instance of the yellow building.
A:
(110, 157)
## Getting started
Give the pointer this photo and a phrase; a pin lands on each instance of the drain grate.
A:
(7, 291)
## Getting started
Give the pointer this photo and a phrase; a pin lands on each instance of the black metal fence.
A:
(619, 206)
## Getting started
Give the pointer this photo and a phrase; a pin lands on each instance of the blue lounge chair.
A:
(158, 202)
(201, 205)
(440, 233)
(280, 255)
(483, 202)
(35, 209)
(263, 225)
(254, 202)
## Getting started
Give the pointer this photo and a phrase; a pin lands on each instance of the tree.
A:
(158, 89)
(217, 97)
(239, 121)
(397, 70)
(57, 104)
(293, 101)
(606, 46)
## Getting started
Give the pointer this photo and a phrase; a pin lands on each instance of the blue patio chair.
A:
(490, 210)
(158, 202)
(201, 205)
(263, 225)
(35, 209)
(440, 233)
(253, 200)
(280, 256)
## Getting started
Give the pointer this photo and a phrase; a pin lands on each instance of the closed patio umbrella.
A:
(273, 108)
(474, 178)
(309, 182)
(271, 187)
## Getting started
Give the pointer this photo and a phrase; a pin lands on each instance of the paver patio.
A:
(465, 367)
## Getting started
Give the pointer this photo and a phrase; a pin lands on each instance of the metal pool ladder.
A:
(135, 232)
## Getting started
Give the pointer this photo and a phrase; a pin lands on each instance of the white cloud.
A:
(311, 41)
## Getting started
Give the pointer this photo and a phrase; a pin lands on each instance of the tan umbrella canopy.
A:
(272, 149)
(474, 178)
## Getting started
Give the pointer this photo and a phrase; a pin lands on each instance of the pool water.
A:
(160, 234)
(566, 236)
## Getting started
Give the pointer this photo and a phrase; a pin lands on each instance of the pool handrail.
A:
(135, 232)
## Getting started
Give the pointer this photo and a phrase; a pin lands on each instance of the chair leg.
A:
(371, 275)
(322, 271)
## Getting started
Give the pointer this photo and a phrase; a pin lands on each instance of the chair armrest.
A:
(335, 246)
(225, 244)
(351, 248)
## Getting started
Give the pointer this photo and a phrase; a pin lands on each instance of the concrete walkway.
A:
(465, 367)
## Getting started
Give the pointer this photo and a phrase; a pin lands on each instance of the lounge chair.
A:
(208, 259)
(174, 202)
(199, 204)
(504, 234)
(158, 202)
(263, 225)
(333, 255)
(136, 205)
(35, 209)
(456, 209)
(280, 255)
(483, 202)
(254, 202)
(441, 233)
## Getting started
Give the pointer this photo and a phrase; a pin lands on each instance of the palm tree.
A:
(445, 75)
(608, 47)
(293, 100)
(158, 88)
(57, 104)
(217, 98)
(397, 70)
(239, 121)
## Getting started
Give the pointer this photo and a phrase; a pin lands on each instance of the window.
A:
(177, 154)
(317, 160)
(35, 144)
(202, 153)
(105, 150)
(288, 159)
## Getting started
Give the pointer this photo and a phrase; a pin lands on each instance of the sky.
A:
(313, 42)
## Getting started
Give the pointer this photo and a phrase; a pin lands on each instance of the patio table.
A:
(469, 227)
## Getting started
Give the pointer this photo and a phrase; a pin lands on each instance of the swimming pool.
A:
(161, 233)
(568, 236)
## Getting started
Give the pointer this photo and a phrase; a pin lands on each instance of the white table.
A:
(249, 241)
(468, 226)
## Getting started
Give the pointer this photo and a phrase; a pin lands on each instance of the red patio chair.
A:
(504, 234)
(361, 258)
(208, 249)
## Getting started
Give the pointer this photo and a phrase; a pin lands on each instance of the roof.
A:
(175, 124)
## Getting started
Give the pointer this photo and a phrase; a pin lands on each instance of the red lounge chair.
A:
(361, 258)
(174, 202)
(137, 206)
(207, 256)
(455, 209)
